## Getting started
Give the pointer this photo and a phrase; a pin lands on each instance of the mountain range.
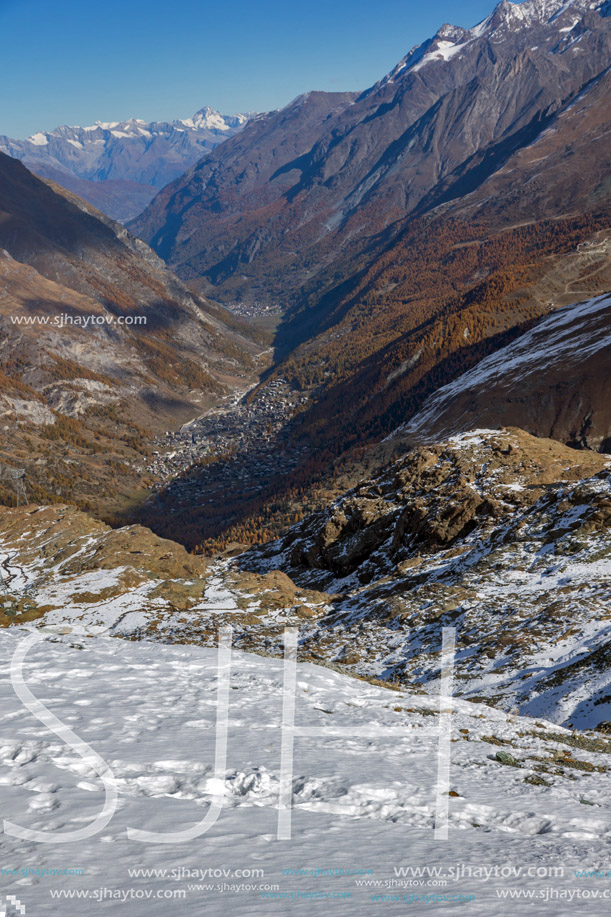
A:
(439, 250)
(119, 166)
(332, 178)
(406, 233)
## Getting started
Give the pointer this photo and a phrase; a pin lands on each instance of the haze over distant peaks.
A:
(206, 119)
(118, 166)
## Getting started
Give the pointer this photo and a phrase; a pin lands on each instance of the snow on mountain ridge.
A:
(135, 157)
(450, 39)
(204, 119)
(567, 340)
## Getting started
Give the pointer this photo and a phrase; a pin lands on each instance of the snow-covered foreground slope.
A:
(504, 536)
(362, 827)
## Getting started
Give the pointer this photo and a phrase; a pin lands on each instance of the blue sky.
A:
(78, 61)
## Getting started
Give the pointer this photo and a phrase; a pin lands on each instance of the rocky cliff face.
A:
(433, 498)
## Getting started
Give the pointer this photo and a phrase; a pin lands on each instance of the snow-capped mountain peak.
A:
(209, 119)
(533, 12)
(558, 16)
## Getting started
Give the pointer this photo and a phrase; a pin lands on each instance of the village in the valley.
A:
(232, 448)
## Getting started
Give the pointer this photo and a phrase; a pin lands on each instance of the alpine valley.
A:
(367, 398)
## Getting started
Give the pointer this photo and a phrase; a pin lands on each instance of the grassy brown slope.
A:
(80, 405)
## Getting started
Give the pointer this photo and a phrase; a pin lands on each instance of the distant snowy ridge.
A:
(206, 119)
(119, 165)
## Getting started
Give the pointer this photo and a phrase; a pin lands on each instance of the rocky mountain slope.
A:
(239, 189)
(498, 533)
(67, 571)
(552, 381)
(450, 115)
(119, 166)
(100, 346)
(504, 536)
